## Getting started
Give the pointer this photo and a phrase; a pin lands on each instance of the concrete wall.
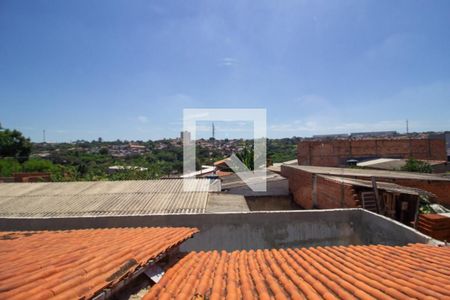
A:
(232, 231)
(335, 153)
(271, 203)
(378, 228)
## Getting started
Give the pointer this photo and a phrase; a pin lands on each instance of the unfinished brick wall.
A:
(329, 194)
(335, 153)
(332, 194)
(440, 188)
(300, 186)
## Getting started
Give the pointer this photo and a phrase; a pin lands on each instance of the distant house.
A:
(116, 169)
(378, 134)
(205, 171)
(330, 136)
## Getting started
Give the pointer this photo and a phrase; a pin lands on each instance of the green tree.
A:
(38, 165)
(247, 157)
(414, 165)
(103, 151)
(8, 166)
(14, 144)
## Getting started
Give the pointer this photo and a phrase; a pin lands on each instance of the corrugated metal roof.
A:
(367, 173)
(102, 198)
(393, 163)
(387, 186)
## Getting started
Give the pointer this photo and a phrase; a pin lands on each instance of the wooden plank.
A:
(377, 196)
(314, 191)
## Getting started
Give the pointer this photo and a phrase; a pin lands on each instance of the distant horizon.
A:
(222, 139)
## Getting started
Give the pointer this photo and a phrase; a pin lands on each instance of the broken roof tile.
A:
(340, 272)
(78, 263)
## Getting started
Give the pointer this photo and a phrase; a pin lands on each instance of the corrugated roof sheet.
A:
(79, 263)
(354, 272)
(387, 186)
(366, 173)
(393, 163)
(105, 198)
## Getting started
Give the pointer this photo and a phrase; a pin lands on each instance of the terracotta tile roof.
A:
(352, 272)
(78, 263)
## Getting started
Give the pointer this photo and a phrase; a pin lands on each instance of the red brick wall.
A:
(300, 186)
(32, 177)
(440, 188)
(330, 194)
(335, 153)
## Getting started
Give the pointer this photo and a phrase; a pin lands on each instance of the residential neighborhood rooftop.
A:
(102, 198)
(393, 163)
(387, 186)
(353, 272)
(366, 173)
(78, 264)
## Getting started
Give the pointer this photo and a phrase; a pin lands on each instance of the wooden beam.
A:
(314, 191)
(377, 196)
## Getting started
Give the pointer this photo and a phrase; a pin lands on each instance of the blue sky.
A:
(126, 69)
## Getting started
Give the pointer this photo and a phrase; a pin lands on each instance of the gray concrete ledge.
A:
(252, 230)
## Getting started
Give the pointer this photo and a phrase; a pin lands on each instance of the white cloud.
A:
(142, 119)
(228, 62)
(311, 127)
(395, 46)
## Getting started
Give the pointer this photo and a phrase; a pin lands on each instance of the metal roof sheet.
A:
(387, 186)
(103, 198)
(366, 173)
(393, 163)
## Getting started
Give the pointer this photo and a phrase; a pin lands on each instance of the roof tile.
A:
(77, 263)
(339, 272)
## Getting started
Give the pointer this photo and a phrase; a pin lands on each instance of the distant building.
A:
(185, 137)
(116, 169)
(373, 134)
(205, 171)
(136, 147)
(330, 136)
(129, 149)
(447, 142)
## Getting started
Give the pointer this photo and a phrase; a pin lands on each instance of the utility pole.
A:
(407, 127)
